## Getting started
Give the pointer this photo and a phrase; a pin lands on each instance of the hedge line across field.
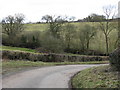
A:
(19, 55)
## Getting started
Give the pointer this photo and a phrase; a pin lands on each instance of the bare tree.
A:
(86, 34)
(119, 25)
(119, 32)
(13, 25)
(107, 26)
(69, 33)
(55, 24)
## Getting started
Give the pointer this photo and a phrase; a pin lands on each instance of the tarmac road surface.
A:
(45, 77)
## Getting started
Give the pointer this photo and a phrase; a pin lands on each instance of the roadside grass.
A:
(17, 49)
(96, 77)
(12, 66)
(16, 65)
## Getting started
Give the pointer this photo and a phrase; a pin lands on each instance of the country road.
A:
(46, 77)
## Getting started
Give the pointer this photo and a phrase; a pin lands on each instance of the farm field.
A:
(35, 27)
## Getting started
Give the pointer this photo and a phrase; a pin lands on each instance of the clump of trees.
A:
(95, 18)
(52, 35)
(13, 25)
(55, 24)
(14, 34)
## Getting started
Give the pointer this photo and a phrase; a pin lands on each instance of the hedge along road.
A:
(46, 77)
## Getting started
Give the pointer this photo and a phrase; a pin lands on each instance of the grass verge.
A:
(15, 65)
(96, 77)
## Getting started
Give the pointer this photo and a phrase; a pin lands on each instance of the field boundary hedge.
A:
(51, 57)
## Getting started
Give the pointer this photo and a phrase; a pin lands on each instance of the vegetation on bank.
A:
(97, 77)
(16, 65)
(50, 57)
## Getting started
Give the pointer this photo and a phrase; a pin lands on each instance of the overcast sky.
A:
(35, 9)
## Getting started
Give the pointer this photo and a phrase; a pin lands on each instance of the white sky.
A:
(35, 9)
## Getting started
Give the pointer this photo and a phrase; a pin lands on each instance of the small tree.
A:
(55, 24)
(86, 34)
(12, 25)
(69, 33)
(107, 26)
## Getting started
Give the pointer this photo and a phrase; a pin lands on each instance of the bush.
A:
(30, 39)
(11, 42)
(52, 44)
(26, 39)
(115, 59)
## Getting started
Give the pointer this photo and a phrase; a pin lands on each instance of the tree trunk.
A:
(118, 33)
(68, 46)
(107, 45)
(88, 45)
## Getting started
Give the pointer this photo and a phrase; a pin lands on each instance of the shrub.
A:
(26, 39)
(30, 39)
(115, 59)
(51, 44)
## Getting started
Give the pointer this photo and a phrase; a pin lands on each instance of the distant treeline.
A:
(90, 18)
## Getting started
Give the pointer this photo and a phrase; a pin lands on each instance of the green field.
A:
(96, 77)
(17, 48)
(35, 27)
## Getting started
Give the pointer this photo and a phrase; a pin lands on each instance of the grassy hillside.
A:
(31, 27)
